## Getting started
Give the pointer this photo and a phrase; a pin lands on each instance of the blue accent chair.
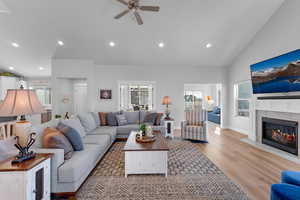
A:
(288, 189)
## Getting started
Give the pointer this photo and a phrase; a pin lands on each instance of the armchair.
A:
(288, 189)
(194, 126)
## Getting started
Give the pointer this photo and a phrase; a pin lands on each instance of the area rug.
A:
(191, 176)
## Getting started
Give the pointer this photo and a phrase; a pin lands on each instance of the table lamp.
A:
(21, 102)
(167, 101)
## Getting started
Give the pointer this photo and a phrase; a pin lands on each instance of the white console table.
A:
(169, 128)
(29, 180)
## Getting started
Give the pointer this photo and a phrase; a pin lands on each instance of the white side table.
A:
(169, 128)
(26, 181)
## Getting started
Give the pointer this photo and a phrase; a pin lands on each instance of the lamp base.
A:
(23, 158)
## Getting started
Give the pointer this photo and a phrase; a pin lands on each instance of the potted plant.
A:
(143, 128)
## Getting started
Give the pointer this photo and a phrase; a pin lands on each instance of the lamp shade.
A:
(166, 100)
(208, 98)
(20, 102)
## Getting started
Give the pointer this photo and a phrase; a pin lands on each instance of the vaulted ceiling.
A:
(87, 26)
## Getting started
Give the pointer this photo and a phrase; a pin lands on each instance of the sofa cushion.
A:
(54, 139)
(72, 135)
(111, 119)
(102, 140)
(87, 121)
(76, 124)
(124, 130)
(132, 117)
(72, 170)
(96, 118)
(105, 130)
(103, 118)
(121, 119)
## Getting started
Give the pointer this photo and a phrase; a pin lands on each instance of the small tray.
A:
(146, 139)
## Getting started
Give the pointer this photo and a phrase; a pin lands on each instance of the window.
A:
(192, 98)
(242, 95)
(44, 95)
(136, 95)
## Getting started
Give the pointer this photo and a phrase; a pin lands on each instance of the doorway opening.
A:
(209, 98)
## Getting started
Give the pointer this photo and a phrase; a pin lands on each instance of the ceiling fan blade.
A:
(150, 8)
(123, 2)
(138, 18)
(122, 14)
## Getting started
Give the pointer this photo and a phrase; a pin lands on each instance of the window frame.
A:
(139, 83)
(237, 99)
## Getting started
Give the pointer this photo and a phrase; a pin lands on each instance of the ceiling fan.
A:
(134, 5)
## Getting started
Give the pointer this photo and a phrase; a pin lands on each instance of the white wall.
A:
(169, 81)
(280, 35)
(72, 69)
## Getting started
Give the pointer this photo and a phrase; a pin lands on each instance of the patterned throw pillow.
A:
(121, 120)
(54, 139)
(158, 119)
(72, 135)
(103, 118)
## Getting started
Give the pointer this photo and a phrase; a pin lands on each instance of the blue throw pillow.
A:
(72, 135)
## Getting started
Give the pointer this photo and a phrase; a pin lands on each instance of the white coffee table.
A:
(146, 158)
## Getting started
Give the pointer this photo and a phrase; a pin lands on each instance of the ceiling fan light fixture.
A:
(134, 6)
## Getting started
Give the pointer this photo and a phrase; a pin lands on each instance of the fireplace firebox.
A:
(281, 134)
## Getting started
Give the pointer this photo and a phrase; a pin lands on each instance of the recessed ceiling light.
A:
(11, 68)
(60, 43)
(208, 45)
(161, 44)
(14, 44)
(112, 44)
(41, 68)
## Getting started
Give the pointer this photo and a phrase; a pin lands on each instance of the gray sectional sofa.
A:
(68, 175)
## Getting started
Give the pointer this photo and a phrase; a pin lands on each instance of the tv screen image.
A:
(277, 75)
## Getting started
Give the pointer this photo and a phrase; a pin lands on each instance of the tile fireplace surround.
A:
(287, 109)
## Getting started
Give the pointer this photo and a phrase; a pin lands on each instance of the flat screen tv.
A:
(277, 75)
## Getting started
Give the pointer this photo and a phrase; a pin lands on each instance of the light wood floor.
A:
(253, 169)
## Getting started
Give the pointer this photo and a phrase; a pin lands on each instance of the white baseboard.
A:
(242, 131)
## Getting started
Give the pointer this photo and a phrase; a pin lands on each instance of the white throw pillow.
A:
(88, 122)
(76, 124)
(96, 118)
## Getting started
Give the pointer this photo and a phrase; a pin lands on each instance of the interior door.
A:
(80, 98)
